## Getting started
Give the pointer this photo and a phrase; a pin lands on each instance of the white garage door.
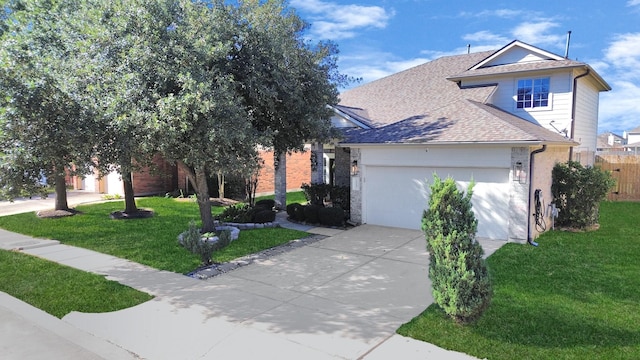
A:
(397, 196)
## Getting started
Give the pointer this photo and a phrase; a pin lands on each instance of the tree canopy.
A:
(202, 83)
(46, 131)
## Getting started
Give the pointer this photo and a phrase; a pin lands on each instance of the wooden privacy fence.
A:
(626, 170)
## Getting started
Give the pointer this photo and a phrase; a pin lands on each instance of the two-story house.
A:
(501, 119)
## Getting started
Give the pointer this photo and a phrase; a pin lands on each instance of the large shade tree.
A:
(197, 122)
(47, 131)
(286, 82)
(128, 41)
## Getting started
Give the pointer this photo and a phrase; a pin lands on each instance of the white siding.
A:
(586, 117)
(516, 55)
(561, 98)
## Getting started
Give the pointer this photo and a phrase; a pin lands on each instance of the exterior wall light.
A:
(354, 168)
(519, 174)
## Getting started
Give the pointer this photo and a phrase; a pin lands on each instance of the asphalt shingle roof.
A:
(422, 105)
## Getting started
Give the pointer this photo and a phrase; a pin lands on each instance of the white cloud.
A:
(486, 37)
(624, 52)
(620, 107)
(633, 2)
(501, 13)
(334, 21)
(371, 66)
(538, 33)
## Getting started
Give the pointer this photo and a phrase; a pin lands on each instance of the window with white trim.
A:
(533, 93)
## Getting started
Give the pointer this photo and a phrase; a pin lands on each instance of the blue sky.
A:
(380, 37)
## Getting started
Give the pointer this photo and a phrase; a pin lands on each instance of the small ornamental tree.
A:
(458, 273)
(577, 191)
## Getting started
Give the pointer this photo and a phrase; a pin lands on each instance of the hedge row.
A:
(316, 214)
(261, 213)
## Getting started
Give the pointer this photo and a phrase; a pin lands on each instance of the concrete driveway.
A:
(337, 298)
(342, 297)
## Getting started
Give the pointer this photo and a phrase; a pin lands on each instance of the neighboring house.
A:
(609, 142)
(633, 136)
(614, 144)
(633, 141)
(166, 178)
(502, 119)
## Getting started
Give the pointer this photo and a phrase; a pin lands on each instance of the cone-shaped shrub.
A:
(458, 273)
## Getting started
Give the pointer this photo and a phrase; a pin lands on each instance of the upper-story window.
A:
(533, 93)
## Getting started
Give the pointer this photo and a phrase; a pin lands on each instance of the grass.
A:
(59, 289)
(147, 241)
(573, 297)
(292, 197)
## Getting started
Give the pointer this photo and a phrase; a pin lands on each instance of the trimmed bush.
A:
(458, 273)
(577, 192)
(331, 216)
(266, 203)
(299, 214)
(341, 197)
(317, 193)
(311, 213)
(262, 216)
(296, 212)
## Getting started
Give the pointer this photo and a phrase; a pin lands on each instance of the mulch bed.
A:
(140, 214)
(48, 214)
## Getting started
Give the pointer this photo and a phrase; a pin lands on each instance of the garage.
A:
(397, 196)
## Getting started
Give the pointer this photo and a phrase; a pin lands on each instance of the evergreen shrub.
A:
(262, 216)
(577, 192)
(192, 240)
(311, 213)
(331, 216)
(458, 273)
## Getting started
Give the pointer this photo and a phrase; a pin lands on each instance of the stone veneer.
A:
(356, 189)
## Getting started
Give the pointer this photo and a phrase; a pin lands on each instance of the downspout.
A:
(529, 237)
(573, 109)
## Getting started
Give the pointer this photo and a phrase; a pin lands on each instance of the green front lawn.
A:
(576, 296)
(150, 241)
(59, 289)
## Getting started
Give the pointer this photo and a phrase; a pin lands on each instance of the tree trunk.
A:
(199, 180)
(129, 198)
(280, 177)
(220, 185)
(61, 193)
(204, 203)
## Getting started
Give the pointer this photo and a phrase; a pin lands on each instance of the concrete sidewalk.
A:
(342, 297)
(22, 205)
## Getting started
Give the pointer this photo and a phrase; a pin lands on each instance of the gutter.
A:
(573, 108)
(531, 157)
(455, 143)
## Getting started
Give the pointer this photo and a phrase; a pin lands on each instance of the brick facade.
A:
(159, 179)
(298, 171)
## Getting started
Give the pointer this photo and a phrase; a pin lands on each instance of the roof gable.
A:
(516, 52)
